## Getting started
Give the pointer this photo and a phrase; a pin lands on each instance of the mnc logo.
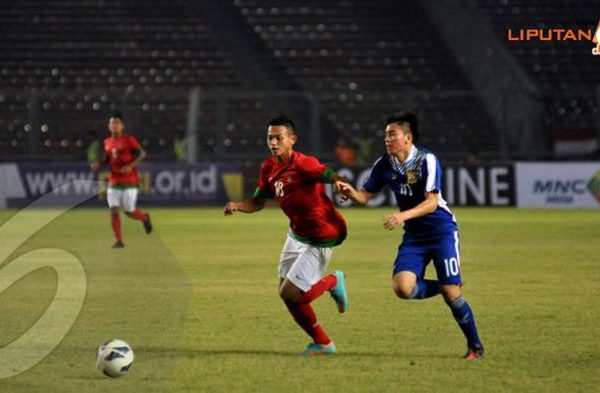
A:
(593, 185)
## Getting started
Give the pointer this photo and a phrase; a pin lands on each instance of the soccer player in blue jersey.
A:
(430, 229)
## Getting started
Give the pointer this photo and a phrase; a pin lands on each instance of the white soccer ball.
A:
(114, 358)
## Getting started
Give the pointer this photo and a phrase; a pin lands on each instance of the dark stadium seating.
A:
(365, 60)
(82, 56)
(566, 72)
(67, 64)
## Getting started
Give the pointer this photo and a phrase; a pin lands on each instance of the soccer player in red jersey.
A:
(296, 182)
(123, 153)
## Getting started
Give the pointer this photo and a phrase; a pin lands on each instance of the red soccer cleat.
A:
(474, 353)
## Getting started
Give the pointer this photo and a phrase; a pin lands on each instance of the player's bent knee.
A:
(288, 298)
(287, 294)
(403, 284)
(402, 291)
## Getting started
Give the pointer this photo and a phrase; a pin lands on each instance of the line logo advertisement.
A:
(476, 185)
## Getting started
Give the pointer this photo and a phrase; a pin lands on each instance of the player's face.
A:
(115, 126)
(280, 141)
(397, 142)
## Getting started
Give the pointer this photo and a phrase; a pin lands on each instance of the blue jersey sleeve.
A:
(376, 181)
(433, 170)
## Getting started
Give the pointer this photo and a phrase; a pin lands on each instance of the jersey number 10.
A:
(451, 266)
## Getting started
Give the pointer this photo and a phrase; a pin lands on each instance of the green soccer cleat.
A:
(339, 292)
(319, 349)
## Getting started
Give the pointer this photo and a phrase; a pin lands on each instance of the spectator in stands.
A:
(473, 157)
(345, 153)
(365, 149)
(94, 148)
(180, 146)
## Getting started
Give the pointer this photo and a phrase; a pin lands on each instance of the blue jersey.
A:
(410, 180)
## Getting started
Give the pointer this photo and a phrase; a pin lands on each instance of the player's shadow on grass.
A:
(344, 354)
(192, 353)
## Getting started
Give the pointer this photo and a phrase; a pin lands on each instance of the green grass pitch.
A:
(197, 300)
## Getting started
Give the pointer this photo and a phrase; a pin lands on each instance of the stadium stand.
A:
(366, 60)
(80, 60)
(565, 71)
(66, 64)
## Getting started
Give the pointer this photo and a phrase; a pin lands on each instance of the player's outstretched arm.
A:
(334, 178)
(248, 206)
(361, 197)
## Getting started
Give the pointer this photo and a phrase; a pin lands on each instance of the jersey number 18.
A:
(278, 189)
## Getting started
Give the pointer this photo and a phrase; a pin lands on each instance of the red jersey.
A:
(298, 186)
(120, 152)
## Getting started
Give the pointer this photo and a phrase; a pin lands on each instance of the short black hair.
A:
(283, 120)
(406, 118)
(116, 115)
